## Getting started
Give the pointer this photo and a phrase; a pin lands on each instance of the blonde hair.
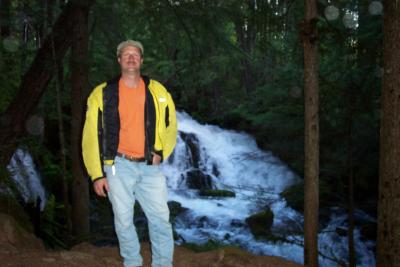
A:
(126, 43)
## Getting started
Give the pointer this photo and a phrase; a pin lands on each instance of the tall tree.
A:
(246, 36)
(311, 134)
(34, 83)
(59, 86)
(79, 89)
(388, 242)
(5, 18)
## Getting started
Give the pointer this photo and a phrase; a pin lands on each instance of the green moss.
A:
(260, 224)
(216, 193)
(175, 208)
(207, 246)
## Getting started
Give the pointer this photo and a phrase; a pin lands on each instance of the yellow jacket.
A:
(101, 130)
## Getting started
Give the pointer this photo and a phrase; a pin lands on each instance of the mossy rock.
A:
(217, 193)
(260, 224)
(197, 179)
(175, 208)
(207, 246)
(294, 196)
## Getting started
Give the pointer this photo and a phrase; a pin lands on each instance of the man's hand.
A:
(156, 158)
(101, 187)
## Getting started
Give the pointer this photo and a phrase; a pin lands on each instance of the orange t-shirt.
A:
(131, 113)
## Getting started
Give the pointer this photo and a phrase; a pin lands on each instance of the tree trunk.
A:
(80, 84)
(388, 241)
(34, 82)
(311, 132)
(349, 167)
(5, 18)
(245, 32)
(59, 84)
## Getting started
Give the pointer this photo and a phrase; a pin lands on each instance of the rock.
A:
(294, 197)
(175, 208)
(237, 223)
(193, 145)
(260, 224)
(341, 231)
(217, 193)
(368, 231)
(196, 179)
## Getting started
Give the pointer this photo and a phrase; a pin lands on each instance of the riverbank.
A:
(19, 248)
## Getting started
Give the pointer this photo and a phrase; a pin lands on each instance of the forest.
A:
(312, 87)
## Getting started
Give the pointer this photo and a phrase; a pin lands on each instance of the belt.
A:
(130, 158)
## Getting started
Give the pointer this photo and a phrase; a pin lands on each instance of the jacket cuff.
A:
(98, 178)
(158, 152)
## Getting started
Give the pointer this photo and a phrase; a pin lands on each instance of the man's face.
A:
(130, 59)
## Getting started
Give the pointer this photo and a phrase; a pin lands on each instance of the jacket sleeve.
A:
(90, 137)
(171, 128)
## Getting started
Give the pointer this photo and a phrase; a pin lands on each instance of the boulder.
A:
(260, 224)
(193, 144)
(196, 179)
(216, 193)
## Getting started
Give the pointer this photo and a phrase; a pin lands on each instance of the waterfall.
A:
(208, 157)
(27, 179)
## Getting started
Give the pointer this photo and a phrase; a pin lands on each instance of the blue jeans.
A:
(129, 181)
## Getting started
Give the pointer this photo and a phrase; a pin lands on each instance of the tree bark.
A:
(59, 85)
(388, 241)
(311, 132)
(79, 89)
(34, 83)
(245, 32)
(5, 18)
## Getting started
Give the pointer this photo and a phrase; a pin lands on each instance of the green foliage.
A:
(228, 63)
(52, 229)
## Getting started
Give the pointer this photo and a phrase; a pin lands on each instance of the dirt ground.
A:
(19, 248)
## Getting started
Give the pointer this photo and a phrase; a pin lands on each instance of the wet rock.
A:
(216, 193)
(237, 223)
(368, 231)
(341, 231)
(196, 179)
(260, 224)
(193, 145)
(175, 208)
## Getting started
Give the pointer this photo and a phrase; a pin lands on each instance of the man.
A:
(130, 128)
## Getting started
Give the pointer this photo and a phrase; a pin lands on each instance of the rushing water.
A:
(27, 178)
(207, 156)
(232, 161)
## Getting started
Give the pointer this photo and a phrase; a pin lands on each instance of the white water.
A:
(257, 178)
(27, 179)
